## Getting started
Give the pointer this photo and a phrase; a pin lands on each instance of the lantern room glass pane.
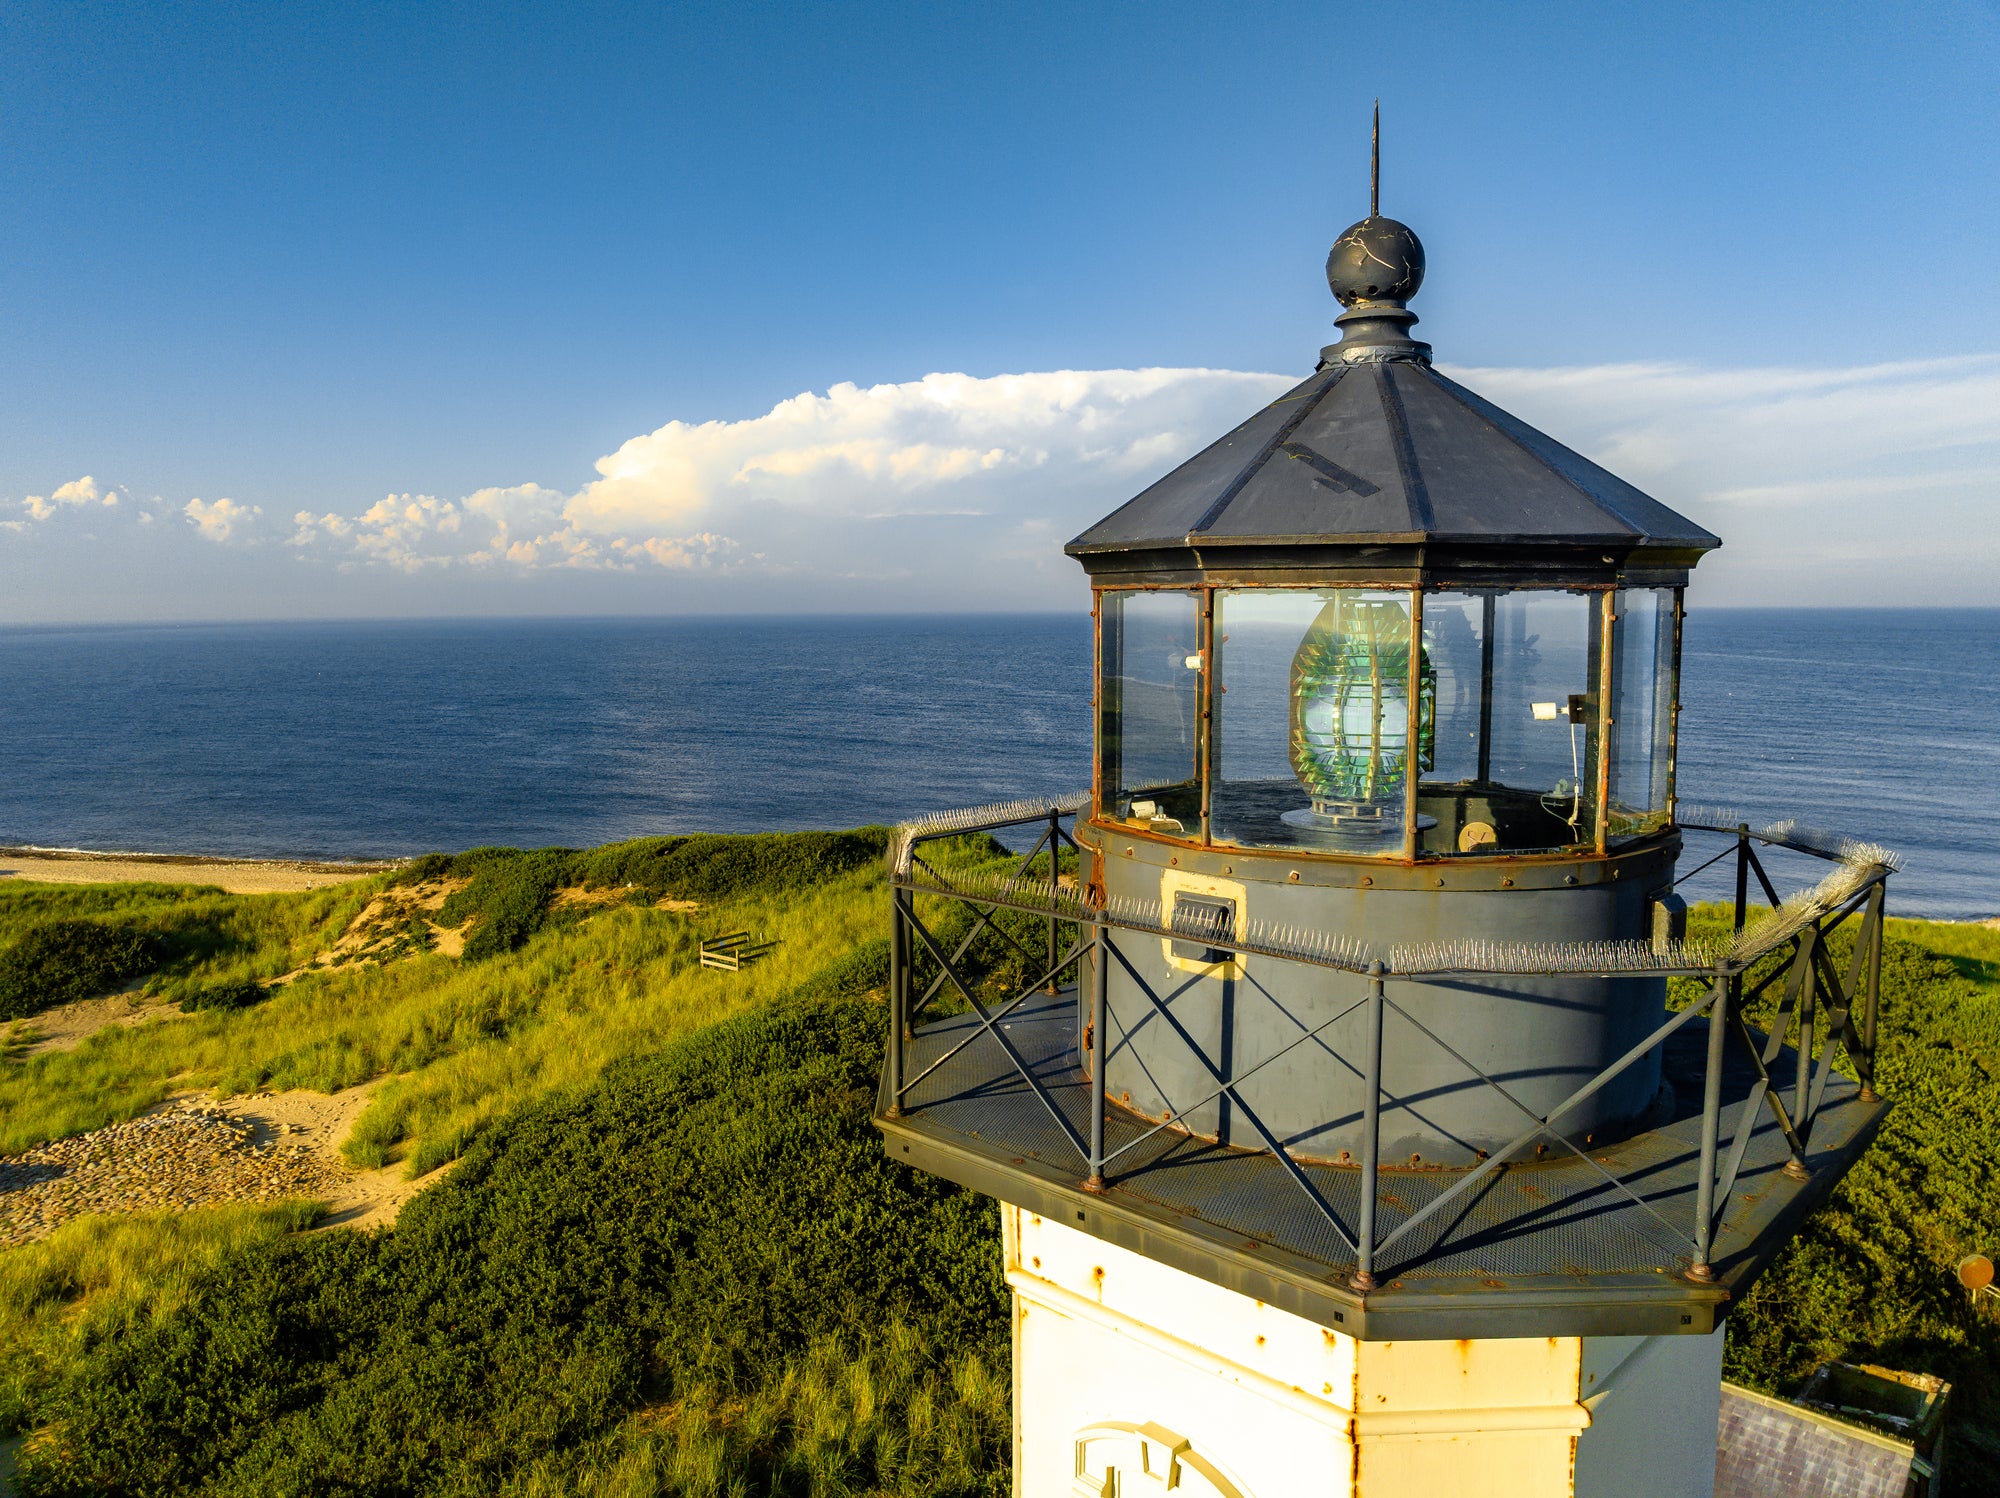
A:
(1642, 695)
(1314, 728)
(1516, 762)
(1150, 699)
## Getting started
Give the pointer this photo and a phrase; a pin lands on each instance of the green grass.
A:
(895, 1415)
(1870, 1279)
(711, 1233)
(672, 1259)
(97, 1278)
(460, 1042)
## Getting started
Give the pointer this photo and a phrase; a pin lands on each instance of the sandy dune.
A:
(67, 1026)
(321, 1122)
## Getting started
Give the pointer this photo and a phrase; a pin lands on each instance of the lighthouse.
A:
(1369, 1124)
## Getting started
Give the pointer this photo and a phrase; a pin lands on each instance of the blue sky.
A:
(269, 271)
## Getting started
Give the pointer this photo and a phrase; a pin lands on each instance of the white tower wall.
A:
(1133, 1378)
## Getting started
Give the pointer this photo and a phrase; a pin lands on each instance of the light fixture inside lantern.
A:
(1351, 720)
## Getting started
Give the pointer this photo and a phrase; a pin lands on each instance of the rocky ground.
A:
(187, 1155)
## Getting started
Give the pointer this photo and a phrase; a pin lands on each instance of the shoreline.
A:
(237, 876)
(264, 876)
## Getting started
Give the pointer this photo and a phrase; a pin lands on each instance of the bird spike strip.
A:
(975, 818)
(1291, 943)
(1790, 832)
(1776, 927)
(1799, 910)
(1523, 957)
(1858, 863)
(1296, 943)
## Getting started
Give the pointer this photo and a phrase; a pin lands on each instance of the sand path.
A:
(319, 1123)
(67, 1026)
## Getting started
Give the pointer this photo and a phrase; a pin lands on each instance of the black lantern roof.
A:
(1378, 465)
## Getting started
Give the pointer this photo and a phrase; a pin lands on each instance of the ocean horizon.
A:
(332, 740)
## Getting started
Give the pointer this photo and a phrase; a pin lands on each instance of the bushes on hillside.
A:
(508, 898)
(709, 866)
(509, 891)
(1871, 1277)
(60, 961)
(224, 995)
(688, 1228)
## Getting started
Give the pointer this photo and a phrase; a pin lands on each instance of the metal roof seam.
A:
(1256, 464)
(1416, 494)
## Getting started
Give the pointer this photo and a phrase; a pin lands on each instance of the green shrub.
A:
(1870, 1278)
(687, 1228)
(60, 961)
(509, 892)
(239, 994)
(508, 898)
(422, 870)
(712, 866)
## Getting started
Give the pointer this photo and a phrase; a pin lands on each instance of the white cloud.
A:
(75, 493)
(849, 484)
(1871, 483)
(220, 520)
(943, 446)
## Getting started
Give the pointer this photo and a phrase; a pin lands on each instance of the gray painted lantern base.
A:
(1540, 1038)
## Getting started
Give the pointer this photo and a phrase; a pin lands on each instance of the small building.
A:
(1851, 1432)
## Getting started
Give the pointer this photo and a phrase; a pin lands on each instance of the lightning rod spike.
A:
(1375, 166)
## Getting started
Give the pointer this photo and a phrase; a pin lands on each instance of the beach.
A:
(239, 876)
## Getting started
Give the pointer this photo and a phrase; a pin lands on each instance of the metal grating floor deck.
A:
(1539, 1246)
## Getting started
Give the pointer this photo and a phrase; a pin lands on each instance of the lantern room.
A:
(1383, 619)
(1387, 662)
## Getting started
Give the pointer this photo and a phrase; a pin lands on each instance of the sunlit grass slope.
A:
(460, 1042)
(100, 1278)
(697, 1274)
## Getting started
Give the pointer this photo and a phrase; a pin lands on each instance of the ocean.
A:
(371, 740)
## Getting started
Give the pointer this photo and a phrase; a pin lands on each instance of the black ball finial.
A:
(1376, 260)
(1374, 268)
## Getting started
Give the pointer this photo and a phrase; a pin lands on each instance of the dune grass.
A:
(576, 998)
(205, 935)
(463, 1042)
(1870, 1277)
(894, 1416)
(698, 1273)
(674, 1261)
(456, 1043)
(99, 1277)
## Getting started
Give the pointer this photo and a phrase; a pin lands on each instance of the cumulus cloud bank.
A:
(817, 482)
(1875, 483)
(221, 520)
(1806, 473)
(76, 493)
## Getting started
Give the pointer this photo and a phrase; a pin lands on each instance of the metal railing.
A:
(1822, 1001)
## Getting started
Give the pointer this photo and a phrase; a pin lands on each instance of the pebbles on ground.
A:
(190, 1156)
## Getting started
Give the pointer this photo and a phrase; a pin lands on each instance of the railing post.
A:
(1873, 993)
(1711, 1129)
(1802, 1067)
(1055, 872)
(899, 996)
(1742, 875)
(1100, 980)
(1371, 1135)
